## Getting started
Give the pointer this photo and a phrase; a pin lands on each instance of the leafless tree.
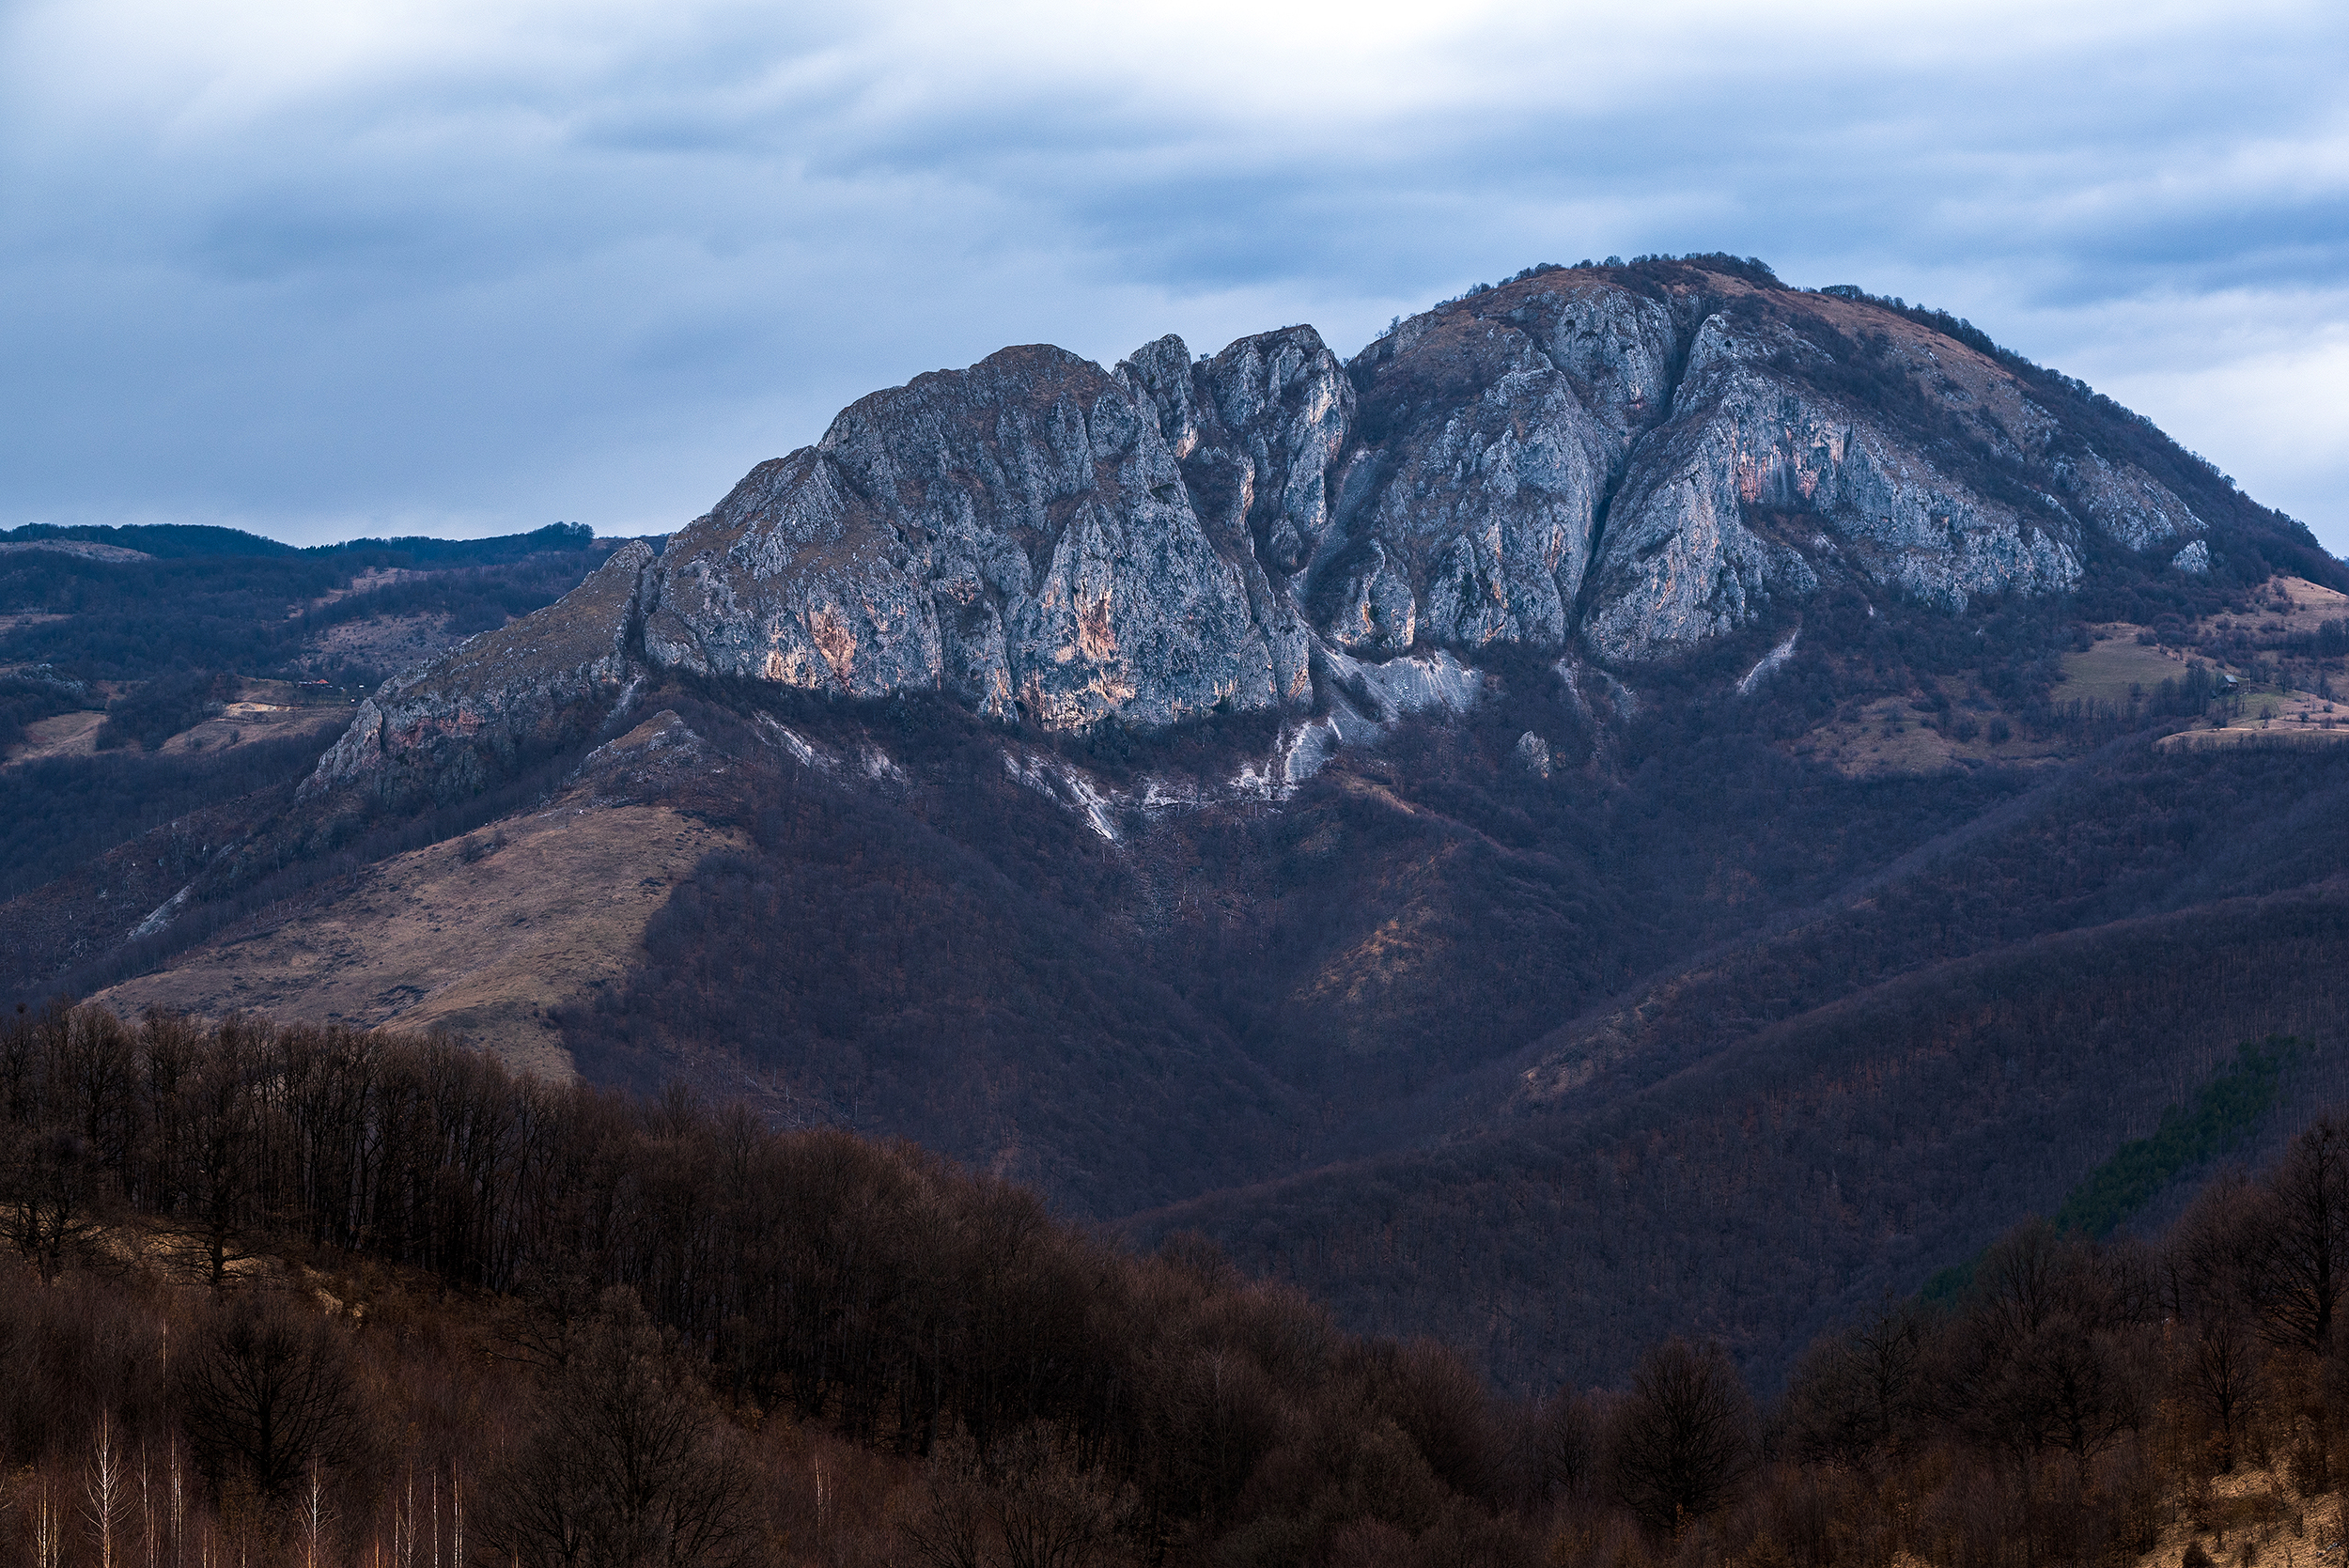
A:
(1053, 1513)
(48, 1529)
(215, 1143)
(1854, 1396)
(2211, 1272)
(945, 1519)
(2307, 1237)
(1684, 1437)
(2055, 1349)
(179, 1506)
(1553, 1450)
(268, 1394)
(105, 1491)
(2084, 1384)
(1027, 1506)
(49, 1187)
(314, 1513)
(629, 1466)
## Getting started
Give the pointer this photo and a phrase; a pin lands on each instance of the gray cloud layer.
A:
(469, 269)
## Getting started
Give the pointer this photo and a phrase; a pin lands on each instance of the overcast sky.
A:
(464, 267)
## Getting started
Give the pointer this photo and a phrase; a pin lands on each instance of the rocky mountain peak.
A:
(1018, 534)
(1623, 461)
(1258, 430)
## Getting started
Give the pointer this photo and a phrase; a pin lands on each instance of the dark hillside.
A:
(60, 813)
(1791, 1180)
(1694, 802)
(2135, 833)
(212, 599)
(326, 1297)
(1222, 996)
(181, 648)
(179, 541)
(378, 1261)
(974, 991)
(164, 541)
(1217, 995)
(2126, 840)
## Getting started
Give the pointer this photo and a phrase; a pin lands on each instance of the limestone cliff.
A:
(1474, 493)
(1687, 558)
(1018, 534)
(1630, 461)
(1650, 467)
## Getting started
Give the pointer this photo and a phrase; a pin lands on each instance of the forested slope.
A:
(331, 1298)
(1799, 1175)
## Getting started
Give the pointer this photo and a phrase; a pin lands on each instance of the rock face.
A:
(1629, 462)
(1018, 534)
(447, 727)
(1688, 556)
(1489, 442)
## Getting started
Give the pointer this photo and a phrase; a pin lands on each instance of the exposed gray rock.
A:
(1366, 699)
(1490, 443)
(655, 756)
(162, 913)
(802, 750)
(1567, 462)
(1563, 454)
(1373, 611)
(1532, 753)
(446, 728)
(1768, 664)
(1685, 558)
(2127, 505)
(1017, 534)
(1257, 430)
(1070, 788)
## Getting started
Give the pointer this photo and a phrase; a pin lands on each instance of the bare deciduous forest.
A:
(305, 1296)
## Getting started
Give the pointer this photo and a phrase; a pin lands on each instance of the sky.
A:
(471, 267)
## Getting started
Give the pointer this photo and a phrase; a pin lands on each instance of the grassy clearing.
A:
(485, 936)
(65, 735)
(2258, 713)
(2116, 664)
(2281, 608)
(1892, 737)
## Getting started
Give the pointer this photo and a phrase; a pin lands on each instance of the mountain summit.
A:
(1623, 462)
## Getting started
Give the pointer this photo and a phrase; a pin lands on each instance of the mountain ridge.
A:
(1622, 464)
(1207, 787)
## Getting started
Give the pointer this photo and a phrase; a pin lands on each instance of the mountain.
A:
(1646, 801)
(1636, 465)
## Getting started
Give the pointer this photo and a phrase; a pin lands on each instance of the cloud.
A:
(473, 267)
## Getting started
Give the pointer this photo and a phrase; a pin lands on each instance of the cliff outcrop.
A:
(1018, 534)
(1629, 461)
(447, 727)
